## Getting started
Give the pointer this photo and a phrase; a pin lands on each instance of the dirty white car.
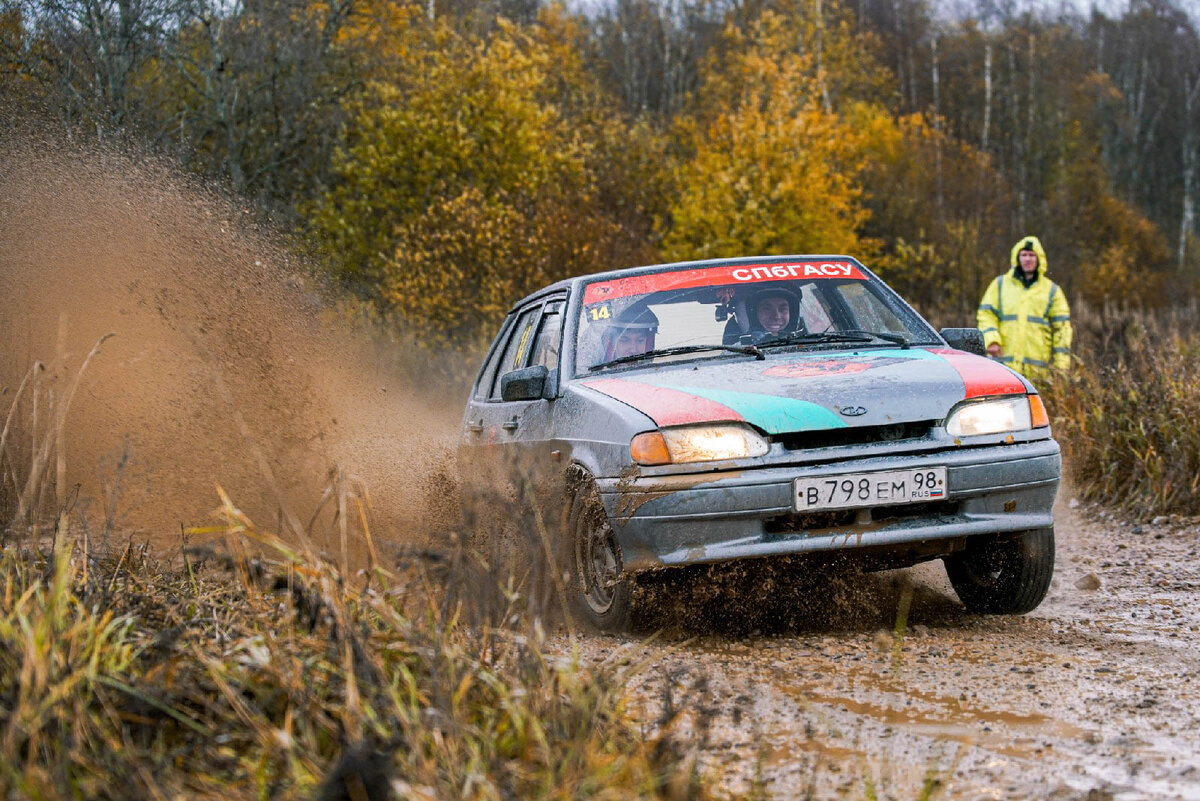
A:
(761, 407)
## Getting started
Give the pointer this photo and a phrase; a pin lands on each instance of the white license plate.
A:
(852, 490)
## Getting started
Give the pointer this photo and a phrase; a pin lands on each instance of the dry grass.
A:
(1129, 416)
(252, 666)
(235, 676)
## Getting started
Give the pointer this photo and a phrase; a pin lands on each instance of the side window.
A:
(816, 318)
(870, 311)
(517, 349)
(549, 338)
(488, 374)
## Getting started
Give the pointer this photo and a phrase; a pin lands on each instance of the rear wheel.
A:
(1003, 576)
(599, 593)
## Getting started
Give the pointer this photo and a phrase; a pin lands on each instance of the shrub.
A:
(1128, 417)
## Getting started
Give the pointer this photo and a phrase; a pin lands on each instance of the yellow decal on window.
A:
(524, 343)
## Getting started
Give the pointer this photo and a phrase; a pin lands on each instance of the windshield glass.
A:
(817, 303)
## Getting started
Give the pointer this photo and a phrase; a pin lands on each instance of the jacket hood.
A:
(813, 391)
(1022, 244)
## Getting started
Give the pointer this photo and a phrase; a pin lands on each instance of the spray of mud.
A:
(224, 368)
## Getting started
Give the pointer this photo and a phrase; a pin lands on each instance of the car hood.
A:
(812, 391)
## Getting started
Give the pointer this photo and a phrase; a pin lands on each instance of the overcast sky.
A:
(959, 9)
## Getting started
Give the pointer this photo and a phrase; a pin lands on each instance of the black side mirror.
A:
(968, 339)
(525, 384)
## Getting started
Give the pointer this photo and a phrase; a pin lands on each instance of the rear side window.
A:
(488, 374)
(516, 352)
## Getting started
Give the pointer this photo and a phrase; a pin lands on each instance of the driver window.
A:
(517, 349)
(871, 313)
(545, 349)
(816, 318)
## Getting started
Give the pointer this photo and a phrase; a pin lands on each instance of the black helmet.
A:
(637, 317)
(791, 295)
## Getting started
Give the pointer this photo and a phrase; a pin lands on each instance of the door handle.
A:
(511, 425)
(475, 428)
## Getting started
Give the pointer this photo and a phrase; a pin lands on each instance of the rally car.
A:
(766, 407)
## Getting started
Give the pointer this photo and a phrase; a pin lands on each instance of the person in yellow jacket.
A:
(1024, 316)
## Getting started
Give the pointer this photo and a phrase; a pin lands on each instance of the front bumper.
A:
(713, 517)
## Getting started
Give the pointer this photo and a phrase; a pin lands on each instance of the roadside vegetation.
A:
(1129, 417)
(242, 666)
(443, 158)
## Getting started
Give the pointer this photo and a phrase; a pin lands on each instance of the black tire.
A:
(1003, 575)
(599, 594)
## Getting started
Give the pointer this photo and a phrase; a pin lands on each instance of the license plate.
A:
(886, 488)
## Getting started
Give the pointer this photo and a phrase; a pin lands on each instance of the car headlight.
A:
(997, 416)
(697, 444)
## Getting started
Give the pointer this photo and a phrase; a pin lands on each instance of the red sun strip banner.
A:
(717, 276)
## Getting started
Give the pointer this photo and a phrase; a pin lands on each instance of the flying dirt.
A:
(224, 366)
(883, 686)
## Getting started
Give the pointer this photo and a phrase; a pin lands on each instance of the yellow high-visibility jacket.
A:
(1032, 324)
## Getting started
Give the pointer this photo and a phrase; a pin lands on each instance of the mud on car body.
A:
(761, 407)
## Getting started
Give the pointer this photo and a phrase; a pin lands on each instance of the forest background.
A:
(442, 158)
(439, 159)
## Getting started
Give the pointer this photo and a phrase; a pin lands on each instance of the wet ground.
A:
(1094, 695)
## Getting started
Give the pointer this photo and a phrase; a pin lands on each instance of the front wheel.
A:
(599, 593)
(1003, 576)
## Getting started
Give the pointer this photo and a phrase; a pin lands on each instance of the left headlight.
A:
(997, 416)
(697, 444)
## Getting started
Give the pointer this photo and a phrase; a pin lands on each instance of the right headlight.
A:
(997, 416)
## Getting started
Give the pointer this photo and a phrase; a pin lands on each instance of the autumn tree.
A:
(481, 169)
(773, 165)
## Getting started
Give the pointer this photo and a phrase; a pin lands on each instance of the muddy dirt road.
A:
(1094, 695)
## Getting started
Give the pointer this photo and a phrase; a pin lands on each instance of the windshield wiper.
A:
(900, 339)
(748, 350)
(824, 336)
(849, 335)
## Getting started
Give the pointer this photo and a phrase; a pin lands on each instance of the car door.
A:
(515, 427)
(535, 432)
(486, 423)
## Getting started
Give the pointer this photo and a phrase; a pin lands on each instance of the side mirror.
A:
(968, 339)
(525, 384)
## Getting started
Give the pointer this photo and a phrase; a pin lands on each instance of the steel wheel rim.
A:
(598, 567)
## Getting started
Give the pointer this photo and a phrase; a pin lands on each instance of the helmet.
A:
(792, 296)
(632, 331)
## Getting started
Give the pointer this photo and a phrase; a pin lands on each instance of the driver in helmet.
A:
(631, 332)
(774, 312)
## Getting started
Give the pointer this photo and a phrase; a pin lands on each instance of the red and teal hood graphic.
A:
(815, 391)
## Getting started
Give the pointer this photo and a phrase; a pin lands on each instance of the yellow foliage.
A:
(775, 167)
(481, 169)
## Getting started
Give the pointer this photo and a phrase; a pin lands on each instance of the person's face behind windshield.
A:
(631, 342)
(774, 314)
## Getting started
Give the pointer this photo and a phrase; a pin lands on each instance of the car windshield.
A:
(739, 308)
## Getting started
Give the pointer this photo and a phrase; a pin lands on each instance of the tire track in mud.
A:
(1094, 695)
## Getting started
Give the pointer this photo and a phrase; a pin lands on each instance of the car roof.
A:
(568, 283)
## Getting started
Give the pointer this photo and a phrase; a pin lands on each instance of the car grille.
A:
(795, 523)
(859, 435)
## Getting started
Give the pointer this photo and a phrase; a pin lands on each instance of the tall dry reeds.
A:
(1128, 415)
(33, 488)
(252, 666)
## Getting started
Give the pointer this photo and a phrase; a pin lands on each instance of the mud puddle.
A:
(1094, 695)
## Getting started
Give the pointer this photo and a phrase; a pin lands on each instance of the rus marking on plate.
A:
(852, 411)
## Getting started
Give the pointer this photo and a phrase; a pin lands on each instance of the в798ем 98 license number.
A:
(870, 489)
